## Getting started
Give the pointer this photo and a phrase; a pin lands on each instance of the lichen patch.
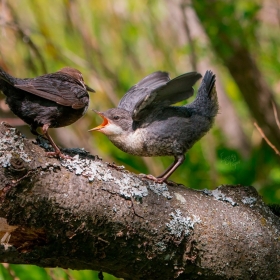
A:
(12, 143)
(179, 225)
(129, 185)
(249, 200)
(88, 168)
(218, 195)
(160, 189)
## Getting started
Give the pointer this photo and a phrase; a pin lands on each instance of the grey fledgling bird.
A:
(52, 100)
(144, 123)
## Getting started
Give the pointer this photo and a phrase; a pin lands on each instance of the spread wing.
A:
(64, 91)
(139, 91)
(157, 91)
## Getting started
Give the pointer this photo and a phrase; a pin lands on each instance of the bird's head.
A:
(116, 121)
(77, 75)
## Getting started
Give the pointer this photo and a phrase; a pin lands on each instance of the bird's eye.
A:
(116, 117)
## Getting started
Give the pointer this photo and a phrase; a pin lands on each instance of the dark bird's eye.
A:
(116, 117)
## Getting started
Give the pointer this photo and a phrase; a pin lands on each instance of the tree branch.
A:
(266, 139)
(87, 214)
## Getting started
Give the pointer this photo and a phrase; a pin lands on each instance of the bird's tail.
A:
(206, 102)
(6, 77)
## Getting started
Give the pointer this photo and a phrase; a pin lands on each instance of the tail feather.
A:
(206, 102)
(209, 79)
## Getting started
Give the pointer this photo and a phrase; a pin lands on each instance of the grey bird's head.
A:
(116, 122)
(77, 75)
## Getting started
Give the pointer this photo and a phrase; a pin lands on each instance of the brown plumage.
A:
(49, 101)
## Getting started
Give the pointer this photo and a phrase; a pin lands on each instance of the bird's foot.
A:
(58, 154)
(155, 179)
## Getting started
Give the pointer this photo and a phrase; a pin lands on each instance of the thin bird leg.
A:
(151, 177)
(178, 161)
(57, 151)
(167, 173)
(169, 168)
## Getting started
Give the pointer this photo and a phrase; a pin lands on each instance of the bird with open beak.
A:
(49, 101)
(145, 123)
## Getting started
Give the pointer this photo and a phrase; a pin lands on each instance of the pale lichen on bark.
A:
(180, 225)
(12, 142)
(87, 214)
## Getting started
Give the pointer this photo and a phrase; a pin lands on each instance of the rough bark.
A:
(88, 214)
(229, 40)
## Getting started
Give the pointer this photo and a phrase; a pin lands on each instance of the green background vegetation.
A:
(115, 44)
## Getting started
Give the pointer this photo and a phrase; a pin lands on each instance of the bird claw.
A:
(155, 179)
(58, 154)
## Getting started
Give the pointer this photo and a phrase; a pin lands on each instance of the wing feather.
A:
(65, 90)
(139, 91)
(157, 91)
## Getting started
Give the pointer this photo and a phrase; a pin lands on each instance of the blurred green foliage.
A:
(115, 44)
(33, 272)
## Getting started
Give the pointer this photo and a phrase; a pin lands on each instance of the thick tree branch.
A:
(87, 214)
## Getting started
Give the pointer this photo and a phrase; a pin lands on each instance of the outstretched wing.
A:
(65, 90)
(157, 91)
(139, 91)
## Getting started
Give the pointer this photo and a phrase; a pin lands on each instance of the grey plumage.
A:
(157, 91)
(138, 92)
(145, 124)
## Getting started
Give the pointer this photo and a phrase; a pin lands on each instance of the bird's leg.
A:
(57, 151)
(151, 177)
(33, 130)
(167, 173)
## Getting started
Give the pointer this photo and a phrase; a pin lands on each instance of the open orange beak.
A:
(105, 122)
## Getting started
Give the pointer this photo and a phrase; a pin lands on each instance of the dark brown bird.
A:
(49, 101)
(144, 124)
